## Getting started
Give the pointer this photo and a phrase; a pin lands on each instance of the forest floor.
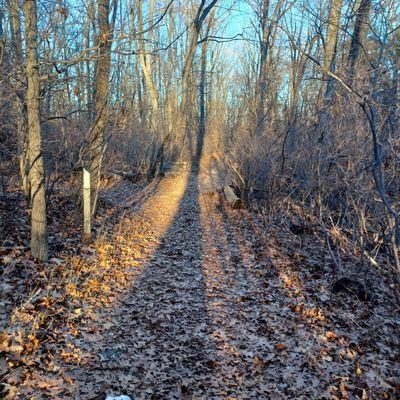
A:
(181, 297)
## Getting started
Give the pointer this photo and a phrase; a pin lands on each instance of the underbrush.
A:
(44, 303)
(322, 177)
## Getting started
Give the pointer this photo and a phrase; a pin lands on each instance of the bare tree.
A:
(202, 12)
(202, 88)
(101, 84)
(39, 247)
(20, 103)
(146, 58)
(358, 37)
(332, 36)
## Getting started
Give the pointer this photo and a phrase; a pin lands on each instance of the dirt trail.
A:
(216, 311)
(213, 308)
(184, 329)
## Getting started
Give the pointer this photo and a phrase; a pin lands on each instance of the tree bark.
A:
(358, 37)
(3, 52)
(20, 101)
(331, 42)
(185, 108)
(262, 77)
(101, 84)
(267, 38)
(39, 245)
(89, 92)
(202, 91)
(145, 59)
(15, 27)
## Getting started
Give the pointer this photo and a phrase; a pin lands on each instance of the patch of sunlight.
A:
(121, 255)
(212, 172)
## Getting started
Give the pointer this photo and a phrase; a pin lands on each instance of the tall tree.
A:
(262, 77)
(268, 24)
(101, 84)
(202, 88)
(87, 30)
(358, 37)
(146, 58)
(20, 103)
(332, 35)
(195, 29)
(2, 38)
(39, 245)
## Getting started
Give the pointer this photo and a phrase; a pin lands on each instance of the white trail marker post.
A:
(86, 202)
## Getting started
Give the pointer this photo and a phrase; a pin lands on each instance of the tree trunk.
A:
(3, 52)
(89, 92)
(268, 25)
(202, 90)
(39, 245)
(20, 103)
(327, 88)
(145, 59)
(262, 77)
(102, 72)
(332, 35)
(15, 27)
(171, 95)
(185, 108)
(358, 37)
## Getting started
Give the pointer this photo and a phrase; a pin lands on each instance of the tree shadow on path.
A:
(157, 343)
(187, 327)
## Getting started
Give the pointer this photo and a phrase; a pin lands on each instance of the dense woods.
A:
(293, 104)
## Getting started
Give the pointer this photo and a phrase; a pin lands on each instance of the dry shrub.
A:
(326, 173)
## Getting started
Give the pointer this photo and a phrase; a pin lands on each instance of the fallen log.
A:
(234, 201)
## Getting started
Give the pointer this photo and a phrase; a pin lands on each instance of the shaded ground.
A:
(188, 299)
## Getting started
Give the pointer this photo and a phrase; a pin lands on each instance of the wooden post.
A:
(86, 202)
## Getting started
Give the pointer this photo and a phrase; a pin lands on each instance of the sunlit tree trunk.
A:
(146, 59)
(329, 59)
(39, 246)
(331, 42)
(171, 94)
(136, 71)
(268, 24)
(87, 30)
(186, 106)
(101, 85)
(20, 104)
